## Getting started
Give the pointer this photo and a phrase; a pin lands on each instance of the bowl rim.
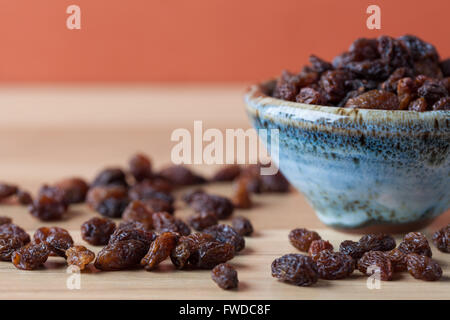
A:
(257, 99)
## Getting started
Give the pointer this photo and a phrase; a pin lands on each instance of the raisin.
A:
(361, 85)
(110, 176)
(159, 250)
(225, 276)
(445, 67)
(395, 52)
(129, 233)
(9, 244)
(334, 265)
(274, 183)
(423, 267)
(49, 205)
(207, 255)
(79, 256)
(97, 231)
(376, 262)
(75, 189)
(30, 256)
(391, 83)
(58, 240)
(140, 167)
(227, 173)
(7, 190)
(241, 197)
(242, 225)
(220, 206)
(150, 189)
(190, 195)
(432, 90)
(441, 239)
(157, 205)
(364, 49)
(301, 238)
(165, 222)
(442, 104)
(138, 211)
(377, 242)
(319, 65)
(125, 225)
(317, 246)
(428, 68)
(24, 197)
(186, 246)
(406, 91)
(419, 105)
(418, 48)
(13, 230)
(181, 176)
(5, 220)
(370, 70)
(109, 200)
(226, 234)
(332, 83)
(398, 259)
(415, 242)
(295, 268)
(120, 255)
(202, 220)
(374, 99)
(352, 249)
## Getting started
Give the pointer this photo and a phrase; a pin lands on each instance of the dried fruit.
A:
(97, 231)
(442, 104)
(423, 267)
(31, 256)
(441, 239)
(13, 230)
(7, 190)
(332, 82)
(152, 189)
(49, 205)
(415, 242)
(110, 177)
(138, 211)
(108, 200)
(274, 183)
(181, 176)
(376, 262)
(227, 173)
(333, 265)
(377, 242)
(24, 197)
(140, 167)
(9, 244)
(186, 246)
(317, 246)
(419, 105)
(57, 239)
(121, 255)
(202, 220)
(398, 259)
(241, 197)
(374, 99)
(130, 233)
(352, 249)
(319, 65)
(242, 225)
(301, 238)
(226, 234)
(220, 206)
(311, 96)
(158, 204)
(75, 189)
(165, 222)
(225, 276)
(159, 250)
(5, 220)
(79, 256)
(295, 268)
(207, 255)
(432, 90)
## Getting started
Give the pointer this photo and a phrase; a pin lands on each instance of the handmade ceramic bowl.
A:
(360, 169)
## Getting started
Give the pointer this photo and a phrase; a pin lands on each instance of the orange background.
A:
(195, 40)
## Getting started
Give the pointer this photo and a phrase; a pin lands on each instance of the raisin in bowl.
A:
(361, 167)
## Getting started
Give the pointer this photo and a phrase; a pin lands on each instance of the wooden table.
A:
(47, 133)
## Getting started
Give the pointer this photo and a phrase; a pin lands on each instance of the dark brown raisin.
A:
(186, 246)
(165, 222)
(287, 86)
(301, 238)
(97, 231)
(57, 239)
(332, 83)
(140, 167)
(352, 249)
(374, 99)
(31, 256)
(151, 189)
(395, 52)
(311, 96)
(49, 205)
(79, 256)
(319, 65)
(241, 197)
(129, 233)
(159, 250)
(181, 176)
(376, 262)
(158, 204)
(415, 242)
(377, 242)
(227, 173)
(75, 189)
(398, 259)
(274, 183)
(226, 234)
(110, 176)
(225, 276)
(24, 197)
(7, 190)
(13, 230)
(121, 255)
(445, 67)
(242, 225)
(442, 104)
(432, 90)
(441, 239)
(207, 255)
(5, 220)
(131, 225)
(109, 200)
(295, 268)
(391, 83)
(317, 246)
(202, 220)
(419, 105)
(220, 206)
(378, 69)
(139, 211)
(334, 265)
(423, 268)
(9, 244)
(190, 195)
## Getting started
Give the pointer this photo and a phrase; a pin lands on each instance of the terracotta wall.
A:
(194, 40)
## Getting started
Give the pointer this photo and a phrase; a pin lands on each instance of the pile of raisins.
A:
(372, 254)
(385, 73)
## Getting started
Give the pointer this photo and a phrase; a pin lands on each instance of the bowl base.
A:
(387, 228)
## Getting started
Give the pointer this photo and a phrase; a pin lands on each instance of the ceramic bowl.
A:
(360, 169)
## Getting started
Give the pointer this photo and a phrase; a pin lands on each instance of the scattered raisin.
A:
(158, 204)
(334, 265)
(97, 231)
(159, 250)
(9, 244)
(13, 230)
(377, 242)
(242, 225)
(202, 220)
(121, 255)
(352, 249)
(398, 259)
(220, 206)
(376, 262)
(186, 246)
(109, 200)
(5, 220)
(30, 256)
(241, 197)
(75, 189)
(7, 190)
(49, 205)
(57, 239)
(207, 255)
(423, 267)
(227, 173)
(274, 183)
(295, 268)
(138, 211)
(165, 222)
(181, 176)
(151, 189)
(301, 238)
(317, 246)
(110, 176)
(24, 197)
(226, 234)
(130, 233)
(79, 256)
(415, 242)
(225, 276)
(441, 239)
(140, 167)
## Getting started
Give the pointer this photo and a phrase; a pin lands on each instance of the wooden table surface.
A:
(47, 133)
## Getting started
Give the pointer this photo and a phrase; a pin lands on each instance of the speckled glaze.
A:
(360, 168)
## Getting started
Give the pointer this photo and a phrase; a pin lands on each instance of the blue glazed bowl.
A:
(360, 169)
